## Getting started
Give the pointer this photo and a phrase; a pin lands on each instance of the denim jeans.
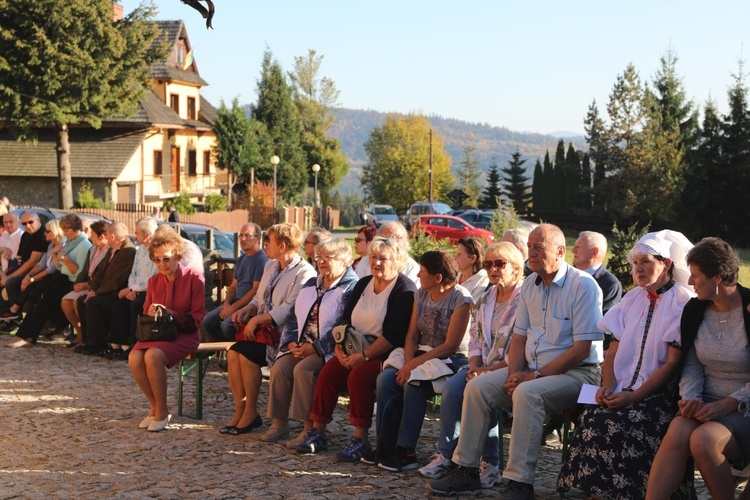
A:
(450, 421)
(218, 328)
(414, 401)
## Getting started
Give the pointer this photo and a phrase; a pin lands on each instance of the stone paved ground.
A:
(70, 430)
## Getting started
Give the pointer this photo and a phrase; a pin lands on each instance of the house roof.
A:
(167, 69)
(94, 153)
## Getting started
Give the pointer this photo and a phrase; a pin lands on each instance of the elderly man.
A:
(589, 252)
(555, 349)
(315, 236)
(193, 258)
(32, 246)
(109, 277)
(9, 240)
(396, 230)
(247, 274)
(519, 238)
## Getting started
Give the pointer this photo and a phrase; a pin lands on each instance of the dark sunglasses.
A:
(27, 223)
(357, 240)
(489, 264)
(158, 260)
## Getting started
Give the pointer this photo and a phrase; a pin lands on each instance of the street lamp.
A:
(315, 169)
(274, 162)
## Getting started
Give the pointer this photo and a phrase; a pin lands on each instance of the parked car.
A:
(477, 218)
(378, 214)
(420, 208)
(451, 227)
(47, 214)
(223, 243)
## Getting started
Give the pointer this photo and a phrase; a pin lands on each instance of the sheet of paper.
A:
(588, 394)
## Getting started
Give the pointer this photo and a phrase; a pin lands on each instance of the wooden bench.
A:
(198, 361)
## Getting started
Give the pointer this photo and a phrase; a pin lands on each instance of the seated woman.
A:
(469, 261)
(379, 308)
(283, 277)
(361, 265)
(98, 239)
(306, 342)
(438, 330)
(180, 291)
(713, 425)
(490, 329)
(63, 261)
(614, 443)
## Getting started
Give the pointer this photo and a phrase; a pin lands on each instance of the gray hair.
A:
(519, 238)
(119, 229)
(596, 239)
(397, 231)
(257, 231)
(319, 234)
(398, 254)
(147, 225)
(336, 246)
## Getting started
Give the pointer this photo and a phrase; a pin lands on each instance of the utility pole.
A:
(430, 165)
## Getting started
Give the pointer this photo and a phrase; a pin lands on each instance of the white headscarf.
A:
(668, 244)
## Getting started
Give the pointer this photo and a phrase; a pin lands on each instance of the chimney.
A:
(118, 11)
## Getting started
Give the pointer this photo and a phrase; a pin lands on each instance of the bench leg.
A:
(200, 364)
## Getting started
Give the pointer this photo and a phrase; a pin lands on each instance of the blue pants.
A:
(218, 328)
(450, 421)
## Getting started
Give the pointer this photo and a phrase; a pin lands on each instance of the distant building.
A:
(163, 149)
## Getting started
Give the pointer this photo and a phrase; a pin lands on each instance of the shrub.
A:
(502, 220)
(86, 198)
(622, 242)
(181, 203)
(215, 203)
(421, 243)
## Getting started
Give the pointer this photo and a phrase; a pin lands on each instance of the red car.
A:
(451, 227)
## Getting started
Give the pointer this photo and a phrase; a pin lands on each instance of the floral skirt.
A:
(612, 450)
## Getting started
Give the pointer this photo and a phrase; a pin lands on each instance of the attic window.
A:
(174, 102)
(191, 108)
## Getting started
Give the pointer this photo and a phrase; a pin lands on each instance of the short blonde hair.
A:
(53, 226)
(169, 240)
(336, 246)
(289, 234)
(507, 251)
(398, 254)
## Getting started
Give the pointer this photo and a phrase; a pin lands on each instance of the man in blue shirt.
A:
(247, 273)
(556, 348)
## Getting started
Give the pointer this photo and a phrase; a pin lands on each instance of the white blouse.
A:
(476, 284)
(369, 313)
(627, 322)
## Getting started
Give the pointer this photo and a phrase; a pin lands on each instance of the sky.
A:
(531, 66)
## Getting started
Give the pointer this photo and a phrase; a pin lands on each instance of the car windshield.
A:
(441, 208)
(383, 211)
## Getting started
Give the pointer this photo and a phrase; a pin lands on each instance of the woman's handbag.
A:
(160, 326)
(350, 340)
(264, 334)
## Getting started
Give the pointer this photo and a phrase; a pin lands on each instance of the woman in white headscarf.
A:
(615, 442)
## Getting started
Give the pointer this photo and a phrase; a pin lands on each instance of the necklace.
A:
(726, 315)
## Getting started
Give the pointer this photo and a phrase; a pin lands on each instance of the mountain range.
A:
(352, 128)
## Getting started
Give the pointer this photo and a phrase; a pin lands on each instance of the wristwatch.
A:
(538, 374)
(366, 357)
(31, 279)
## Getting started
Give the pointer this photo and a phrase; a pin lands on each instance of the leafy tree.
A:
(397, 171)
(68, 63)
(516, 183)
(283, 130)
(492, 192)
(237, 138)
(469, 175)
(314, 96)
(537, 187)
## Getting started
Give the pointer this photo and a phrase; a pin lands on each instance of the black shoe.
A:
(400, 461)
(70, 337)
(518, 491)
(236, 431)
(460, 481)
(91, 350)
(369, 458)
(227, 429)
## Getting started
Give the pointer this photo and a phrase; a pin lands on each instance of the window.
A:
(174, 102)
(191, 108)
(206, 161)
(157, 163)
(192, 162)
(454, 224)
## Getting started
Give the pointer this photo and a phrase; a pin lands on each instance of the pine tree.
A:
(537, 188)
(492, 192)
(283, 131)
(586, 186)
(469, 175)
(561, 178)
(598, 151)
(67, 63)
(516, 183)
(549, 185)
(573, 178)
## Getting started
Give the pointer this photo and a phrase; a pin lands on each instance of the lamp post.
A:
(315, 169)
(274, 162)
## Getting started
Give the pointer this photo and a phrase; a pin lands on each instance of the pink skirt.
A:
(184, 344)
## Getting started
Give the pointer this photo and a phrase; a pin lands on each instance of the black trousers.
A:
(124, 315)
(98, 319)
(46, 307)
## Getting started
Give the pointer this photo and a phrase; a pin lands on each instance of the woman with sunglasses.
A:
(490, 329)
(469, 261)
(361, 264)
(180, 292)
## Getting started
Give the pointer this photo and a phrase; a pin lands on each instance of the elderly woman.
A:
(180, 292)
(53, 277)
(378, 308)
(469, 261)
(490, 329)
(315, 236)
(97, 251)
(615, 442)
(712, 426)
(129, 304)
(361, 265)
(283, 277)
(438, 334)
(307, 343)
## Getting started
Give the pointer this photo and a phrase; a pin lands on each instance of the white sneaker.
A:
(438, 467)
(489, 475)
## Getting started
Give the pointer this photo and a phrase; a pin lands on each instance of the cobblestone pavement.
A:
(70, 430)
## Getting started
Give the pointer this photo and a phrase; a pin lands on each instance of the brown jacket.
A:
(111, 275)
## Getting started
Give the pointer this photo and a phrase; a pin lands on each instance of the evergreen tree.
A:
(537, 188)
(469, 175)
(561, 179)
(598, 147)
(573, 186)
(549, 185)
(67, 63)
(492, 192)
(516, 183)
(586, 186)
(283, 130)
(671, 103)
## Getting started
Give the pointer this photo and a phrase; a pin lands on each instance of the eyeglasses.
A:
(489, 264)
(28, 223)
(324, 257)
(376, 258)
(359, 240)
(248, 235)
(310, 242)
(158, 260)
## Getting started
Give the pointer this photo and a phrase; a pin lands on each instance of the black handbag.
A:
(161, 326)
